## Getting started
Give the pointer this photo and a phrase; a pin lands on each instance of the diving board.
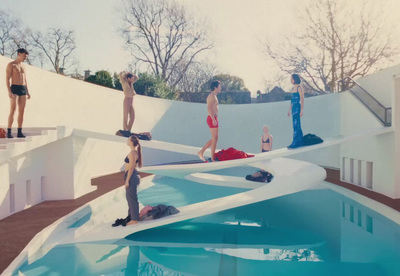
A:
(291, 176)
(182, 170)
(154, 144)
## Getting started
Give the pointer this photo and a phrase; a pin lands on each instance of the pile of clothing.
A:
(142, 135)
(148, 213)
(231, 154)
(260, 176)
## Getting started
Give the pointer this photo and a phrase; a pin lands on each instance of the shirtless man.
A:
(212, 120)
(17, 90)
(127, 80)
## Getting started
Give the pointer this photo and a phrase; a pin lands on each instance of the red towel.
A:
(230, 154)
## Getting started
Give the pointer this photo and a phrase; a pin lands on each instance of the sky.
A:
(237, 28)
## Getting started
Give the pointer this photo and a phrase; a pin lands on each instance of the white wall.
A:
(377, 149)
(58, 100)
(396, 125)
(69, 164)
(380, 84)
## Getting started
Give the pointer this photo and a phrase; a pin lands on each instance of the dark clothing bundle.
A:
(159, 211)
(121, 221)
(264, 177)
(311, 139)
(155, 212)
(142, 136)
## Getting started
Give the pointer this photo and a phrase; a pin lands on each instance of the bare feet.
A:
(132, 222)
(201, 156)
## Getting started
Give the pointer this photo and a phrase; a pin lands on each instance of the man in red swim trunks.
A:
(212, 120)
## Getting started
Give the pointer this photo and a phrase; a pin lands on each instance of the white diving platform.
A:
(290, 176)
(182, 170)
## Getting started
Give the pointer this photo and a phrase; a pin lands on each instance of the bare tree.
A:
(192, 79)
(337, 41)
(57, 45)
(162, 35)
(10, 30)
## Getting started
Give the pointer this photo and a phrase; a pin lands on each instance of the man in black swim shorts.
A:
(17, 91)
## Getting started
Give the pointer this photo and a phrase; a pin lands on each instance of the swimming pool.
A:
(313, 232)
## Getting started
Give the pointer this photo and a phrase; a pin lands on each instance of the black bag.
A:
(311, 139)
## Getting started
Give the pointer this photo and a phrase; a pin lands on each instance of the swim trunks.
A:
(19, 90)
(210, 123)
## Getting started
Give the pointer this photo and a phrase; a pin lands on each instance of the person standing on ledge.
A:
(17, 90)
(212, 120)
(296, 107)
(127, 80)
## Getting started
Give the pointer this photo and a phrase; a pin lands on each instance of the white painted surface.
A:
(181, 170)
(290, 176)
(380, 84)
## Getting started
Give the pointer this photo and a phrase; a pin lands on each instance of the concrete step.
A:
(31, 131)
(14, 140)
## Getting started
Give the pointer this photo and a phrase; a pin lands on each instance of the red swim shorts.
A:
(210, 123)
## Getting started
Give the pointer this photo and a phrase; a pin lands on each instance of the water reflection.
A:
(310, 233)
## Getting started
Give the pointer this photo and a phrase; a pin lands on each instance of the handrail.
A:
(379, 110)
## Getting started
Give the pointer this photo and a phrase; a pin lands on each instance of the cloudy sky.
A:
(237, 27)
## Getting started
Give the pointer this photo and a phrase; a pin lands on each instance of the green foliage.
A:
(101, 78)
(229, 83)
(153, 86)
(117, 84)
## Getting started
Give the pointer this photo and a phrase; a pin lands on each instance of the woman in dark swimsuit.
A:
(296, 107)
(132, 177)
(266, 140)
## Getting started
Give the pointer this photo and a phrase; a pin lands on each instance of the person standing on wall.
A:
(212, 120)
(127, 80)
(296, 107)
(17, 90)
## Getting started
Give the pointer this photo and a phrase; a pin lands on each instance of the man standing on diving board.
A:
(212, 120)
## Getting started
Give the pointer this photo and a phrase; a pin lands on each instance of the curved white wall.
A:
(59, 100)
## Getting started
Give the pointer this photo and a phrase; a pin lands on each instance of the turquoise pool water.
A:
(314, 232)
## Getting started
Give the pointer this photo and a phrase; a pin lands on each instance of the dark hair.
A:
(214, 85)
(135, 142)
(22, 51)
(296, 79)
(129, 75)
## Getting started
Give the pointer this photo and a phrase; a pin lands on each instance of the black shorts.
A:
(19, 90)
